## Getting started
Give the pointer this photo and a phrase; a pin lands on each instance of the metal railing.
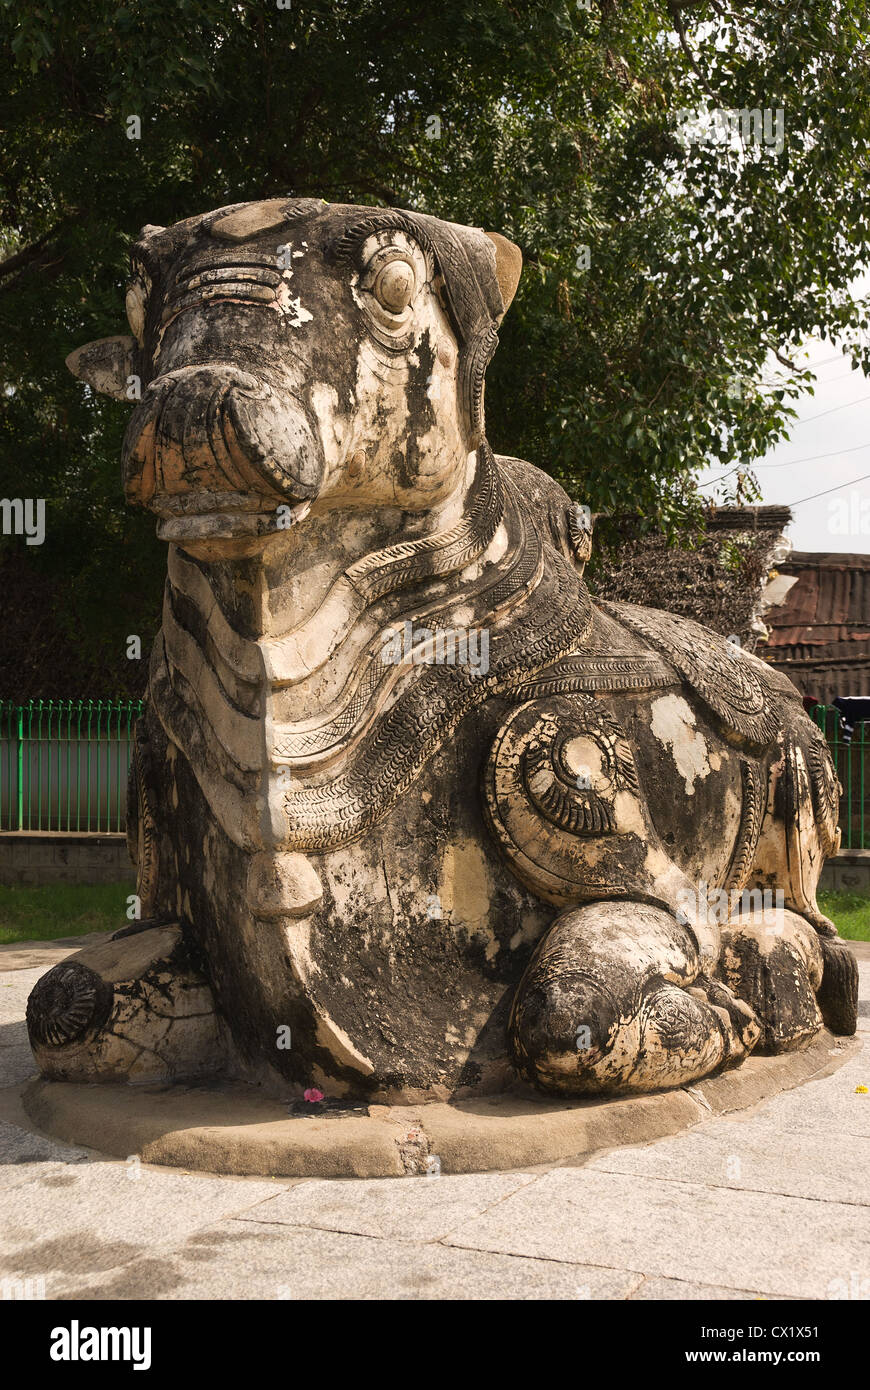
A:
(852, 761)
(63, 764)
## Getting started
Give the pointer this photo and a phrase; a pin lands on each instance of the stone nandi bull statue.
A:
(413, 875)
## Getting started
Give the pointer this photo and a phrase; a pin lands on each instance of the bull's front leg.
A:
(615, 999)
(620, 994)
(136, 1007)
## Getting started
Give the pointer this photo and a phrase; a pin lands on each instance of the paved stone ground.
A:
(773, 1202)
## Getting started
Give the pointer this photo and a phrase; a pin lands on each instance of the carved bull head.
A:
(291, 354)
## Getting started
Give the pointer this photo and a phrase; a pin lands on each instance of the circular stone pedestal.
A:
(235, 1129)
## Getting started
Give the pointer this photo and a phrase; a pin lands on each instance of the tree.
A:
(662, 269)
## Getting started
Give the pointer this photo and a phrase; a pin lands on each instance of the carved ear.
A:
(105, 365)
(508, 266)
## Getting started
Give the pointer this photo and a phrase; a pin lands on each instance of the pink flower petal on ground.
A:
(312, 1094)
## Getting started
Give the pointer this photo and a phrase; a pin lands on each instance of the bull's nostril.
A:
(278, 437)
(216, 429)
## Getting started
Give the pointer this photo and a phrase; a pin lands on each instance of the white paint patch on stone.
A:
(291, 308)
(462, 616)
(339, 1045)
(332, 423)
(673, 724)
(494, 552)
(498, 545)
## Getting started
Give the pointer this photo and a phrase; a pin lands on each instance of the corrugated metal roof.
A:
(820, 633)
(817, 635)
(825, 682)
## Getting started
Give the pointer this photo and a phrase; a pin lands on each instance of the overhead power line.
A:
(790, 463)
(839, 488)
(813, 458)
(809, 418)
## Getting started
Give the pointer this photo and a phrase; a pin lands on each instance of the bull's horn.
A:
(508, 266)
(105, 366)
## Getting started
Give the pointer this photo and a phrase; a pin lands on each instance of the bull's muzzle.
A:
(215, 439)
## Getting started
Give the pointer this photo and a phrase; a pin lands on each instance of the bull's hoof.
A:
(131, 1008)
(837, 995)
(67, 1004)
(562, 1026)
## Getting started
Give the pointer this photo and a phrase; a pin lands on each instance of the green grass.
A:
(62, 909)
(850, 913)
(72, 909)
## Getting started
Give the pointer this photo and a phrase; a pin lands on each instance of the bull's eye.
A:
(394, 286)
(135, 306)
(393, 274)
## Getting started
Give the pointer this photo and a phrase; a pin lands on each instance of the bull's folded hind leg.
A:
(618, 996)
(794, 979)
(614, 1000)
(772, 958)
(780, 952)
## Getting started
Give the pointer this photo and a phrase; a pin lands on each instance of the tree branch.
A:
(30, 253)
(674, 10)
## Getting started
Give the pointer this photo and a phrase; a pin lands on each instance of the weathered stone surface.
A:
(779, 1246)
(425, 815)
(131, 1008)
(243, 1259)
(237, 1129)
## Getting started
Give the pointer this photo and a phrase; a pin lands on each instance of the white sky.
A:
(829, 447)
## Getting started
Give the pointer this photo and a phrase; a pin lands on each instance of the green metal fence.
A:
(63, 764)
(852, 761)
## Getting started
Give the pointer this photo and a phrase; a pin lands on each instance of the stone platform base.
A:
(235, 1129)
(60, 857)
(847, 872)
